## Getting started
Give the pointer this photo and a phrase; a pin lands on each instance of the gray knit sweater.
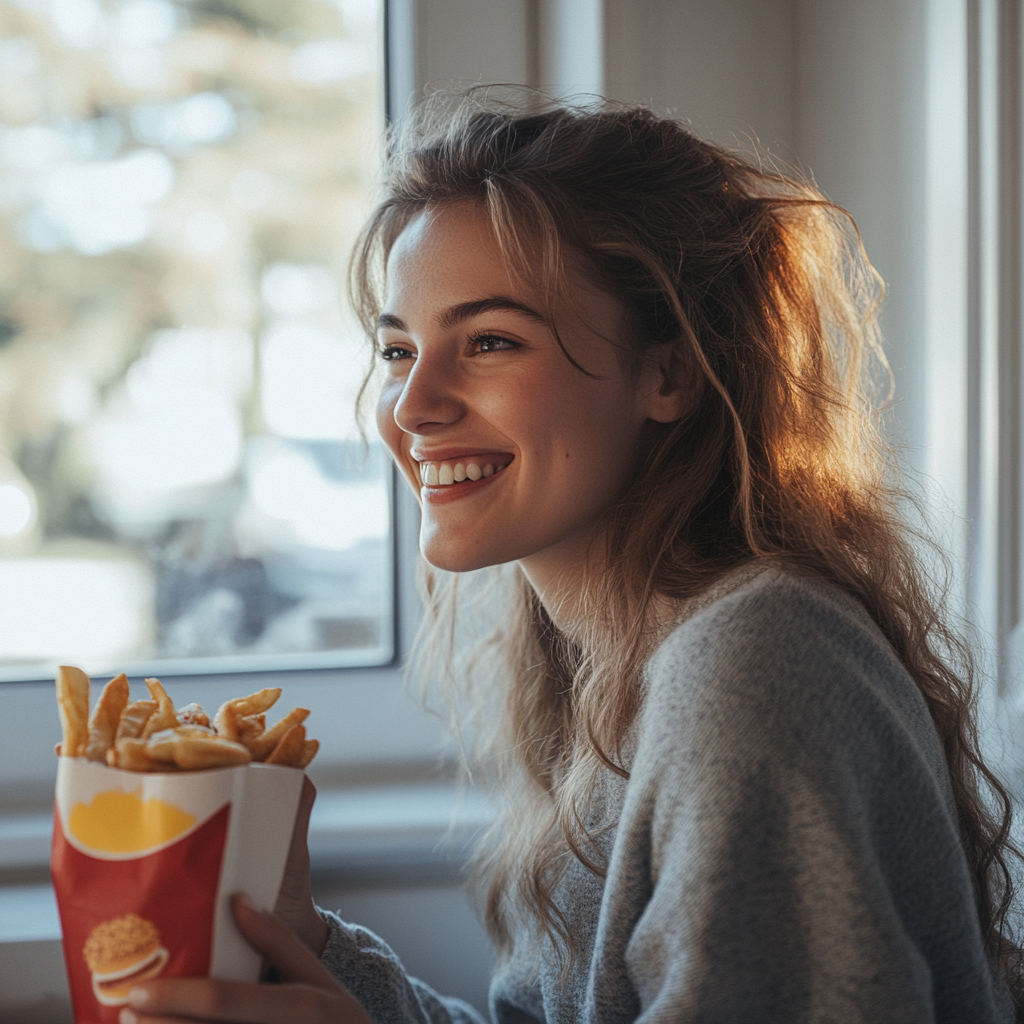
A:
(786, 848)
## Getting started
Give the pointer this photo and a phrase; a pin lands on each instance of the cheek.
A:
(390, 432)
(602, 424)
(386, 425)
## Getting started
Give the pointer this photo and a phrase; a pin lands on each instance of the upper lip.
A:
(450, 454)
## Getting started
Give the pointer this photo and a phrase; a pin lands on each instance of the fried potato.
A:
(106, 717)
(134, 719)
(73, 706)
(228, 714)
(132, 755)
(227, 722)
(165, 717)
(250, 727)
(195, 746)
(198, 751)
(309, 749)
(192, 714)
(261, 745)
(150, 736)
(162, 745)
(291, 747)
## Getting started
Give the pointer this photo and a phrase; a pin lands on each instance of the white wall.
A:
(860, 129)
(726, 67)
(838, 89)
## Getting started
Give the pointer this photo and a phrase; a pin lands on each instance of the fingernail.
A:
(137, 997)
(127, 1017)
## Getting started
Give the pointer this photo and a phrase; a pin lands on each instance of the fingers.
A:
(293, 960)
(295, 901)
(202, 999)
(308, 995)
(298, 852)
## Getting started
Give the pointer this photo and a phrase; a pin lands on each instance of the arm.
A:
(372, 972)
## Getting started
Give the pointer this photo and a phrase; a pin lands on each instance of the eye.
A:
(492, 343)
(392, 353)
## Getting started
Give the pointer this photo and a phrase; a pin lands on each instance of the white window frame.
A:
(974, 383)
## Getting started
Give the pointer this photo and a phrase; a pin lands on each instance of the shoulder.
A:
(772, 658)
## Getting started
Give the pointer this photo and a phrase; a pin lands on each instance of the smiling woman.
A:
(476, 377)
(732, 737)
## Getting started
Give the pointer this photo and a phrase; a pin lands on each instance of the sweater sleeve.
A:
(788, 841)
(371, 971)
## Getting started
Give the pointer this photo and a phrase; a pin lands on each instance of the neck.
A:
(560, 583)
(557, 576)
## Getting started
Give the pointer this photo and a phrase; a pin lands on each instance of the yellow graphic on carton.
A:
(119, 822)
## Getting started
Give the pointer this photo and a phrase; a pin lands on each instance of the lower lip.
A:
(444, 495)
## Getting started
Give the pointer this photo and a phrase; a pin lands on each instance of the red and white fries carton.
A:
(144, 865)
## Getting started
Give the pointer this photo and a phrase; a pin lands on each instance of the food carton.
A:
(144, 864)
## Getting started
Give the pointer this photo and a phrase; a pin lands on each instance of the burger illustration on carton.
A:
(120, 953)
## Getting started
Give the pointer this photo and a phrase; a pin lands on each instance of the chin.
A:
(462, 557)
(450, 562)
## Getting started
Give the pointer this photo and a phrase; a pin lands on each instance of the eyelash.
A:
(477, 339)
(393, 353)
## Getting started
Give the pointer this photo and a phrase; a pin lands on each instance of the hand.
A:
(295, 899)
(307, 993)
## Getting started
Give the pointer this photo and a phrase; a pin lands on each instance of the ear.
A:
(667, 387)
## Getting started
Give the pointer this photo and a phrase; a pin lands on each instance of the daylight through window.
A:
(183, 484)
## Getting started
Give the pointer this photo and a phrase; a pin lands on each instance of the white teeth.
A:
(442, 474)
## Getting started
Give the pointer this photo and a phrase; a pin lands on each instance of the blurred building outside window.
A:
(183, 484)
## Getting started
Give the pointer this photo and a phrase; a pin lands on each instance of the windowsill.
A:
(355, 833)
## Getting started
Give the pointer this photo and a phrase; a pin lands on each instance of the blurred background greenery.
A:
(182, 482)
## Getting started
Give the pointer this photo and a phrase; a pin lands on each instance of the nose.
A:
(429, 398)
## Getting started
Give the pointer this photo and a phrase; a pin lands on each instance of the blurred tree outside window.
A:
(183, 485)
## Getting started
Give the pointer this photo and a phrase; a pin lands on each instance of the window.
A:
(183, 486)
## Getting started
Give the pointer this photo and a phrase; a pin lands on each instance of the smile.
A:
(443, 474)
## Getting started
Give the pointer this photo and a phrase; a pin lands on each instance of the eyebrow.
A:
(455, 315)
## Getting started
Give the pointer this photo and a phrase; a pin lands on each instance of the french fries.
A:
(231, 712)
(134, 719)
(165, 716)
(106, 718)
(263, 743)
(151, 736)
(73, 705)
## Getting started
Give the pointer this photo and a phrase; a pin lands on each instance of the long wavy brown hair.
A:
(761, 287)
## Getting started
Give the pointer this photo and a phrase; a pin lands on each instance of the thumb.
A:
(272, 938)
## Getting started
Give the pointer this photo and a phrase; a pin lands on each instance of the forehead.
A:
(454, 247)
(451, 254)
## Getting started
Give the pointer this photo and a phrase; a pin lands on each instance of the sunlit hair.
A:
(762, 288)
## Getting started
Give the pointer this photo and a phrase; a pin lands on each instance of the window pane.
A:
(182, 480)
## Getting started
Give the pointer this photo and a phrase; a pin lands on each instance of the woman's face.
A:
(514, 452)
